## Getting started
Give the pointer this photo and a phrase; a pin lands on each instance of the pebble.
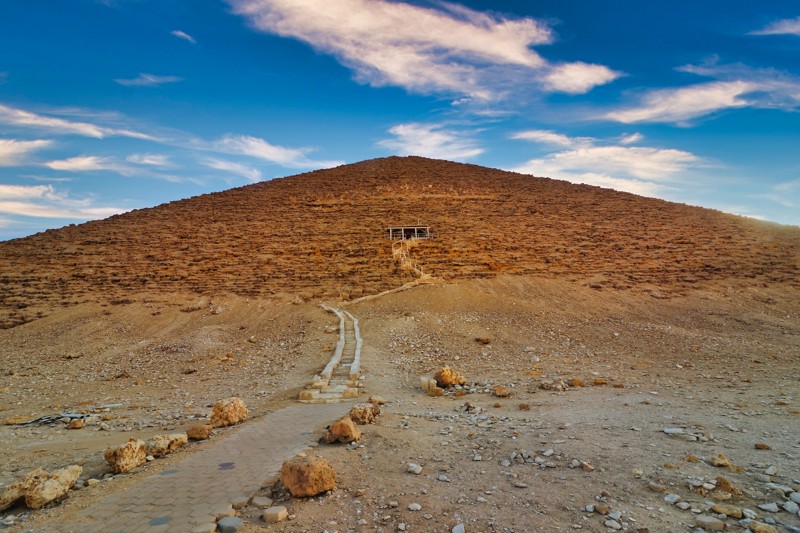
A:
(769, 507)
(361, 522)
(444, 478)
(709, 523)
(414, 468)
(790, 507)
(795, 497)
(613, 524)
(520, 485)
(401, 526)
(414, 507)
(393, 504)
(672, 498)
(275, 514)
(459, 529)
(505, 463)
(230, 524)
(683, 505)
(771, 471)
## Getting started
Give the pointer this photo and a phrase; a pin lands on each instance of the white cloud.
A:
(44, 201)
(452, 49)
(578, 77)
(430, 140)
(147, 80)
(14, 152)
(18, 117)
(641, 170)
(183, 35)
(156, 160)
(84, 163)
(632, 138)
(684, 103)
(261, 149)
(780, 27)
(250, 173)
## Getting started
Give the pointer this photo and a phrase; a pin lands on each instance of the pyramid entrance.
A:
(404, 233)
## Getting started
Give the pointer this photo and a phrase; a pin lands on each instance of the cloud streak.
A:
(249, 173)
(452, 50)
(44, 201)
(430, 140)
(147, 80)
(261, 149)
(183, 35)
(780, 27)
(56, 125)
(14, 152)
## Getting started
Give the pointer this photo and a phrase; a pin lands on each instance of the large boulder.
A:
(447, 377)
(125, 458)
(308, 475)
(54, 488)
(344, 431)
(228, 412)
(364, 413)
(162, 445)
(17, 490)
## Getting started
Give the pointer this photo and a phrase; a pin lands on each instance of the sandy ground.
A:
(720, 363)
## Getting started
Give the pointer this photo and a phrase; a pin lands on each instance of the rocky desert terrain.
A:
(646, 353)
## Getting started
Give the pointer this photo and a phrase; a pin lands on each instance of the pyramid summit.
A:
(323, 234)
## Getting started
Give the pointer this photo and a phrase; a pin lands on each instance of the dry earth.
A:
(720, 363)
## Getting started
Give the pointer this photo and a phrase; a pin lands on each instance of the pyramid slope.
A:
(322, 235)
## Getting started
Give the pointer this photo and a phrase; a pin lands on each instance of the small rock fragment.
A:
(414, 507)
(771, 507)
(199, 431)
(709, 523)
(126, 457)
(275, 514)
(720, 460)
(343, 430)
(447, 377)
(414, 468)
(364, 413)
(228, 412)
(75, 423)
(308, 475)
(760, 527)
(54, 488)
(728, 510)
(162, 445)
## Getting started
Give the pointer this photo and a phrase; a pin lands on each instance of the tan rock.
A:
(447, 377)
(75, 423)
(275, 514)
(54, 488)
(125, 458)
(426, 383)
(343, 430)
(162, 445)
(364, 413)
(435, 391)
(554, 385)
(200, 431)
(760, 527)
(308, 475)
(727, 510)
(720, 460)
(377, 400)
(501, 391)
(16, 491)
(709, 523)
(228, 412)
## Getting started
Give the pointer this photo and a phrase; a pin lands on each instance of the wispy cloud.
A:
(249, 173)
(147, 80)
(155, 160)
(780, 27)
(44, 201)
(85, 163)
(13, 152)
(60, 126)
(453, 49)
(183, 35)
(736, 86)
(430, 140)
(640, 170)
(261, 149)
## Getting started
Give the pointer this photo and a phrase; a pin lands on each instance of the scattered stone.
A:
(720, 460)
(228, 412)
(574, 382)
(230, 524)
(602, 508)
(674, 431)
(40, 488)
(364, 413)
(308, 475)
(762, 446)
(199, 431)
(435, 392)
(524, 407)
(613, 524)
(262, 501)
(427, 383)
(672, 498)
(502, 391)
(162, 445)
(683, 505)
(91, 482)
(760, 527)
(709, 523)
(795, 497)
(75, 423)
(771, 470)
(656, 487)
(447, 377)
(728, 510)
(126, 457)
(520, 485)
(414, 468)
(275, 514)
(554, 385)
(377, 400)
(459, 528)
(343, 430)
(790, 507)
(771, 507)
(414, 507)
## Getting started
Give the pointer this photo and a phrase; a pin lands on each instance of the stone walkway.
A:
(178, 499)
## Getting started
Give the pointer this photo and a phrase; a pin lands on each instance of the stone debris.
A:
(262, 501)
(162, 445)
(414, 507)
(414, 469)
(459, 528)
(771, 507)
(501, 391)
(343, 430)
(275, 514)
(377, 400)
(761, 527)
(720, 460)
(364, 413)
(447, 377)
(75, 423)
(199, 431)
(39, 488)
(728, 510)
(126, 457)
(709, 523)
(229, 524)
(427, 383)
(556, 385)
(228, 412)
(308, 475)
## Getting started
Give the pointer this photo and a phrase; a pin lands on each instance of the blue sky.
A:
(107, 106)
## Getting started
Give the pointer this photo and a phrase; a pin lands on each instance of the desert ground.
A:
(716, 366)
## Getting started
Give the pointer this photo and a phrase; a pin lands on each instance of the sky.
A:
(113, 105)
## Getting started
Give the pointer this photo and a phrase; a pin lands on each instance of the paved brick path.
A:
(185, 496)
